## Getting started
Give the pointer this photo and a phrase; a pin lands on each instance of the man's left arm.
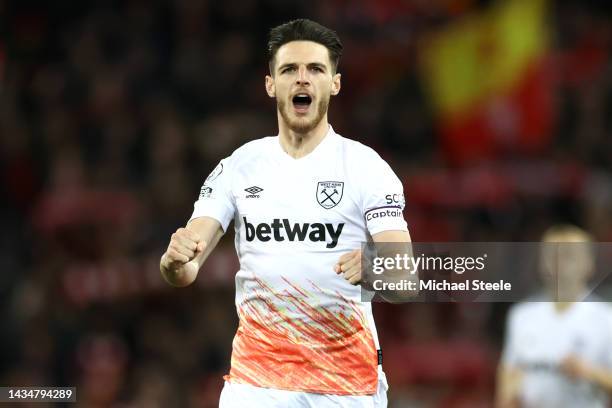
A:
(394, 245)
(350, 265)
(579, 369)
(389, 244)
(382, 205)
(599, 373)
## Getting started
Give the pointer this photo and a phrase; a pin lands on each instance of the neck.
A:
(565, 297)
(562, 307)
(298, 144)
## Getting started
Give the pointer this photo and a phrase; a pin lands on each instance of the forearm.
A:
(600, 376)
(182, 270)
(576, 368)
(402, 284)
(509, 380)
(178, 275)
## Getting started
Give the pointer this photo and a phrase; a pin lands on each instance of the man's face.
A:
(566, 266)
(302, 82)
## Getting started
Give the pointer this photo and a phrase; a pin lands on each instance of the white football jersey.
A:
(302, 327)
(538, 338)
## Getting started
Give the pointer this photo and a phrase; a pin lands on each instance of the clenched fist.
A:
(349, 265)
(178, 264)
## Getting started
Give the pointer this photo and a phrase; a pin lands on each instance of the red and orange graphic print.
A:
(288, 340)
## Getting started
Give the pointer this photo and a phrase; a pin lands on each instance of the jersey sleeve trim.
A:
(217, 212)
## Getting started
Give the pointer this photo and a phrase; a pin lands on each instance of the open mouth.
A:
(301, 102)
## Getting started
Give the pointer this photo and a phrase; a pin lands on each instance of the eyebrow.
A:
(310, 65)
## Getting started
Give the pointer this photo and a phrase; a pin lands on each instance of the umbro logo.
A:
(253, 192)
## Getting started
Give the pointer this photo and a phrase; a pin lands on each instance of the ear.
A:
(270, 88)
(335, 90)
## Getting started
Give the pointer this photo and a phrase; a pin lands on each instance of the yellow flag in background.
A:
(488, 68)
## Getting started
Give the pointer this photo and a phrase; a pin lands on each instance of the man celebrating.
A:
(302, 203)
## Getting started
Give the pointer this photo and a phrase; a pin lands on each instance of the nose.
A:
(302, 76)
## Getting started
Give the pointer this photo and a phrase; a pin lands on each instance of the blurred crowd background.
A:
(497, 117)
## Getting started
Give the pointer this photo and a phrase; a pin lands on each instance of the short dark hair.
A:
(304, 30)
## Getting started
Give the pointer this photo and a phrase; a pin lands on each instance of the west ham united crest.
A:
(329, 193)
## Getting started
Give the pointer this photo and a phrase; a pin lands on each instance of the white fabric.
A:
(237, 395)
(538, 338)
(302, 326)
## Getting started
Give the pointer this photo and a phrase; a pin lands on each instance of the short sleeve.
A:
(383, 197)
(215, 198)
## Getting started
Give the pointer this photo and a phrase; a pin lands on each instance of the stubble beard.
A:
(302, 125)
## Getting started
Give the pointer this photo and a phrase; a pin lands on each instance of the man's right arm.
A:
(509, 382)
(509, 375)
(188, 249)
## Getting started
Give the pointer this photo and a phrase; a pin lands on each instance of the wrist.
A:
(164, 263)
(591, 374)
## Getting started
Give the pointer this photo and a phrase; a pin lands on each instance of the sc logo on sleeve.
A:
(395, 199)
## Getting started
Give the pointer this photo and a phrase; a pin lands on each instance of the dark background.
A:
(112, 113)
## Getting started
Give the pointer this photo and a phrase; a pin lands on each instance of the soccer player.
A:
(302, 203)
(559, 354)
